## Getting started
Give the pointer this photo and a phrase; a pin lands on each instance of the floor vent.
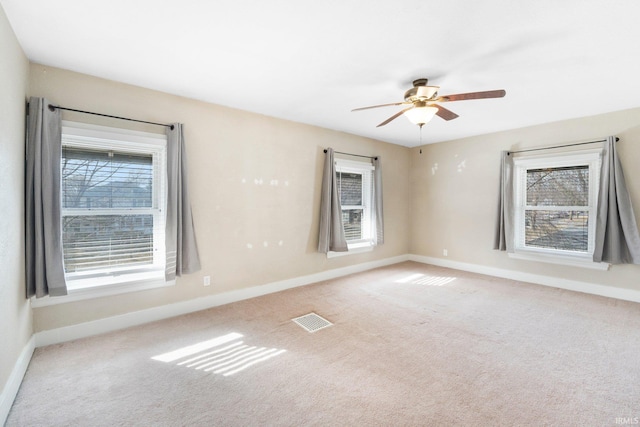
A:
(312, 322)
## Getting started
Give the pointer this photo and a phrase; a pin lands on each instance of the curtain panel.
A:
(44, 260)
(331, 233)
(506, 213)
(377, 202)
(617, 238)
(181, 246)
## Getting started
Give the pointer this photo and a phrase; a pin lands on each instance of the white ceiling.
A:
(312, 61)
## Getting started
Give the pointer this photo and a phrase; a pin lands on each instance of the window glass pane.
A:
(350, 185)
(103, 179)
(566, 230)
(104, 241)
(558, 186)
(352, 220)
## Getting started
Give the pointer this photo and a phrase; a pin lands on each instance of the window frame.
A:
(110, 281)
(593, 160)
(366, 169)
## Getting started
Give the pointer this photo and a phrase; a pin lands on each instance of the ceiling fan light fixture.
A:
(421, 115)
(422, 102)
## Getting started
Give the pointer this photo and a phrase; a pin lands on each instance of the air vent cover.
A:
(312, 322)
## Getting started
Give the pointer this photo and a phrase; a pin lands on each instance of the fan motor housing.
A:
(421, 92)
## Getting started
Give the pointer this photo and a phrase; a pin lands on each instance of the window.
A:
(113, 186)
(355, 187)
(555, 204)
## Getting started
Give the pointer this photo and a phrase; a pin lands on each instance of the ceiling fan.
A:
(422, 99)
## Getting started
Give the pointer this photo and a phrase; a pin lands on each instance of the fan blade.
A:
(444, 113)
(381, 105)
(395, 116)
(472, 95)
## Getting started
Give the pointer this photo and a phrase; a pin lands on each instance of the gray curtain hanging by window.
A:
(504, 227)
(331, 234)
(43, 234)
(617, 237)
(181, 247)
(377, 201)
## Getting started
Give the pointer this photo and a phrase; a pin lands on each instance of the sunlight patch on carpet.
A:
(196, 348)
(231, 356)
(312, 322)
(422, 279)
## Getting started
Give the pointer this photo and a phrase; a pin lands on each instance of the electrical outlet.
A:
(445, 252)
(207, 280)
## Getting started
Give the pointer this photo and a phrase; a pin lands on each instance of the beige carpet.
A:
(411, 345)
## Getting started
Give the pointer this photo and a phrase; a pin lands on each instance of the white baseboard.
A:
(15, 379)
(555, 282)
(109, 324)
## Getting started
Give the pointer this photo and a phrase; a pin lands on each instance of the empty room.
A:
(288, 213)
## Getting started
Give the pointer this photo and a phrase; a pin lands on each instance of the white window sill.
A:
(103, 287)
(561, 260)
(354, 248)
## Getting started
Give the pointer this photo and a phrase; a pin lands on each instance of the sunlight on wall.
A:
(422, 279)
(227, 360)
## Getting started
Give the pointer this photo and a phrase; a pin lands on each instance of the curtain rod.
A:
(53, 107)
(559, 146)
(355, 155)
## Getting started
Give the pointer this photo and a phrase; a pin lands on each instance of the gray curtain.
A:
(617, 237)
(181, 247)
(504, 228)
(331, 234)
(43, 234)
(377, 201)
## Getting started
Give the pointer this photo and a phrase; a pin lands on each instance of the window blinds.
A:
(108, 210)
(557, 208)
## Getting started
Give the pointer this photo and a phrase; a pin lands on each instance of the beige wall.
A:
(15, 313)
(455, 192)
(228, 150)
